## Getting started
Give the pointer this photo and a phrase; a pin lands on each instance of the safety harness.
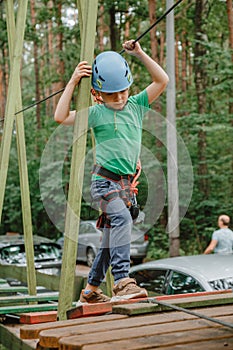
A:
(127, 192)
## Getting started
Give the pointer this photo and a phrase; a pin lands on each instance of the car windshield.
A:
(222, 284)
(15, 254)
(152, 280)
(181, 283)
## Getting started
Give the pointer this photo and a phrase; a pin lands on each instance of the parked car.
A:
(89, 241)
(47, 254)
(185, 274)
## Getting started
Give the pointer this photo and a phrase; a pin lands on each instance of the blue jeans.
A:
(115, 245)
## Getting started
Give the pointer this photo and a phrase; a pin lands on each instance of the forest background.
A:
(204, 104)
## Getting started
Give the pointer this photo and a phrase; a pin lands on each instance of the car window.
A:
(16, 253)
(11, 253)
(46, 251)
(222, 284)
(152, 280)
(181, 283)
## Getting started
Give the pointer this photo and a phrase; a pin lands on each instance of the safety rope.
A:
(193, 313)
(154, 24)
(121, 52)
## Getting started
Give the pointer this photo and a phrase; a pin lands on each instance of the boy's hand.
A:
(82, 70)
(132, 48)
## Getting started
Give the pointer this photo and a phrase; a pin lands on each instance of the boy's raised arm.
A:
(62, 113)
(158, 75)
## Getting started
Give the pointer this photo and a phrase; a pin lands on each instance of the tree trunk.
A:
(59, 63)
(153, 41)
(113, 34)
(201, 83)
(101, 28)
(127, 24)
(177, 73)
(230, 26)
(36, 65)
(184, 63)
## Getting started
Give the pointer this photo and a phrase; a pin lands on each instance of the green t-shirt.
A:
(118, 134)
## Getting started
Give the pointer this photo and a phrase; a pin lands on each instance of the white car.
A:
(185, 274)
(89, 241)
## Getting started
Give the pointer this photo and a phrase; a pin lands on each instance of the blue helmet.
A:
(110, 72)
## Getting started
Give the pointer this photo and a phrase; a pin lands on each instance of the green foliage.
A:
(200, 220)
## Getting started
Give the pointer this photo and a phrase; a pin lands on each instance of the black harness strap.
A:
(125, 182)
(99, 170)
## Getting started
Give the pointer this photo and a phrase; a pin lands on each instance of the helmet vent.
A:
(126, 73)
(96, 70)
(101, 78)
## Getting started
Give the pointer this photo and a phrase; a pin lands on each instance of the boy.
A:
(117, 125)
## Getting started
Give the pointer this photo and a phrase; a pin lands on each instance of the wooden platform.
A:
(139, 326)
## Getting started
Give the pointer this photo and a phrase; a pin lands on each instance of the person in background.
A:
(222, 239)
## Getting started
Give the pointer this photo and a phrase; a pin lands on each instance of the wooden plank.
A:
(166, 342)
(141, 335)
(21, 143)
(192, 300)
(89, 310)
(207, 345)
(51, 282)
(98, 308)
(13, 290)
(50, 338)
(185, 302)
(10, 105)
(25, 299)
(10, 339)
(27, 308)
(89, 18)
(200, 301)
(32, 331)
(38, 317)
(197, 294)
(148, 325)
(135, 309)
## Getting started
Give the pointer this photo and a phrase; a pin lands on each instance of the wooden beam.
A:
(38, 317)
(27, 308)
(10, 104)
(89, 16)
(12, 342)
(21, 148)
(26, 299)
(50, 282)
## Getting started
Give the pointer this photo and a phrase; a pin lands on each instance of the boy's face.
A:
(115, 100)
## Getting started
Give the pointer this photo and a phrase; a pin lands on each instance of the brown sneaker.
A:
(93, 297)
(127, 289)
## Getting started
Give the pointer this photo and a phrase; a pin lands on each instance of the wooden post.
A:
(172, 162)
(88, 16)
(23, 172)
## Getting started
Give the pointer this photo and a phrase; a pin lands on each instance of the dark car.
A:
(185, 274)
(89, 242)
(47, 254)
